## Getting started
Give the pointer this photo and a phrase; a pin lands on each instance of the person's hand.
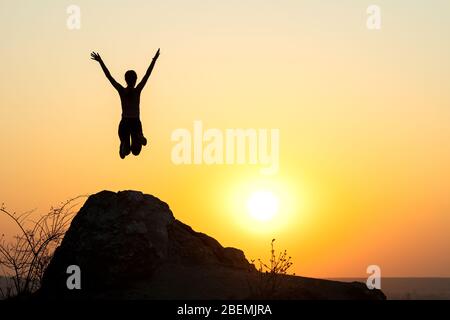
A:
(95, 56)
(156, 55)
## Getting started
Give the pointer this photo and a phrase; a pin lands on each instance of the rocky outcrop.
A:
(128, 245)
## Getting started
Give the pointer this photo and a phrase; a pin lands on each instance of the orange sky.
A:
(363, 115)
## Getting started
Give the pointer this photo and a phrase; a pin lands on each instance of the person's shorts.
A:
(130, 128)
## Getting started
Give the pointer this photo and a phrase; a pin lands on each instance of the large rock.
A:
(128, 245)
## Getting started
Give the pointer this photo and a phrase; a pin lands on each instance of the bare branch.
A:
(24, 259)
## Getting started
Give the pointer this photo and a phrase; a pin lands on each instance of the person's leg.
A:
(143, 139)
(140, 133)
(136, 137)
(124, 135)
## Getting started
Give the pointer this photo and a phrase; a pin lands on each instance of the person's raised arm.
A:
(95, 56)
(141, 84)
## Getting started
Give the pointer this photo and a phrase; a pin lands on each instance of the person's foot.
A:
(124, 151)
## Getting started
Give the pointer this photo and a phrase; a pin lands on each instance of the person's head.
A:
(130, 78)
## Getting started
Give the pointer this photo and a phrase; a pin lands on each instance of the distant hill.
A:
(412, 288)
(3, 285)
(129, 245)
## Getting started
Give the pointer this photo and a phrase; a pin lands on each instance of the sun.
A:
(266, 205)
(262, 205)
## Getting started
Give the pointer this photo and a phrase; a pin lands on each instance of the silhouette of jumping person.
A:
(130, 126)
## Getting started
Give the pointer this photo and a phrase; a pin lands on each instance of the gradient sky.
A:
(364, 119)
